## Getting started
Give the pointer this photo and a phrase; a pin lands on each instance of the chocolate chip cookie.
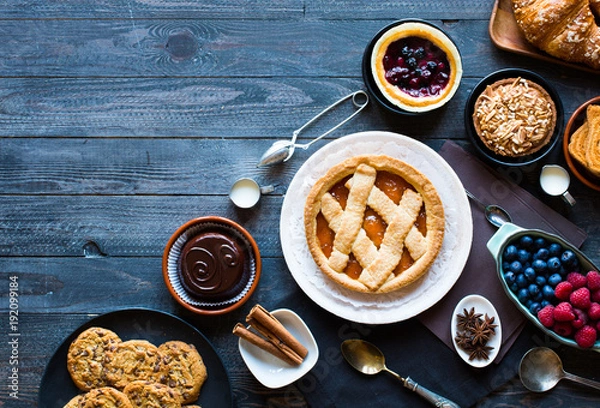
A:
(133, 360)
(86, 355)
(187, 371)
(146, 394)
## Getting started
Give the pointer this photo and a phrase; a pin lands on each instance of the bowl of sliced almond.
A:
(514, 118)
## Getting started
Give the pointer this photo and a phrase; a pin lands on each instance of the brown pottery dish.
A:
(211, 265)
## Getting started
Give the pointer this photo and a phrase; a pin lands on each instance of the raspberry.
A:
(594, 311)
(563, 312)
(596, 296)
(593, 280)
(545, 316)
(577, 280)
(586, 336)
(563, 290)
(581, 319)
(563, 329)
(580, 298)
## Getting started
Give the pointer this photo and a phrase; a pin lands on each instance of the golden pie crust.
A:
(393, 93)
(412, 215)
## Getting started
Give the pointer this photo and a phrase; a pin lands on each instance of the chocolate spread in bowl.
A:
(213, 265)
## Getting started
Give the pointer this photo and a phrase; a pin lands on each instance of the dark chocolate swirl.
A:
(212, 264)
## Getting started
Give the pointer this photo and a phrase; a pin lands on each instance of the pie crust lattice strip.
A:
(374, 224)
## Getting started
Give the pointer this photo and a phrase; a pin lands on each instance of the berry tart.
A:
(415, 66)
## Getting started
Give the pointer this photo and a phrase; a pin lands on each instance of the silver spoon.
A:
(368, 359)
(282, 150)
(541, 369)
(496, 215)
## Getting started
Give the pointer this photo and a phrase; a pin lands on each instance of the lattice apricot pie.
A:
(374, 224)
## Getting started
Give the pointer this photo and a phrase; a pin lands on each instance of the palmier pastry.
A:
(374, 224)
(565, 29)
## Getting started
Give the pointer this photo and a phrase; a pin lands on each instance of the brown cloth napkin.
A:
(479, 275)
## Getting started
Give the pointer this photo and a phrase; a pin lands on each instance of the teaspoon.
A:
(368, 359)
(541, 369)
(496, 215)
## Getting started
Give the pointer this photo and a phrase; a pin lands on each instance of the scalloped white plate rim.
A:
(271, 371)
(359, 307)
(482, 305)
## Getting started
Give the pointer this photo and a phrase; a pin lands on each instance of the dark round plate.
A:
(57, 388)
(480, 147)
(367, 73)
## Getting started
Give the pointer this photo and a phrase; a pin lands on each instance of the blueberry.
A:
(510, 253)
(420, 52)
(545, 303)
(516, 267)
(539, 243)
(553, 264)
(554, 279)
(555, 249)
(542, 254)
(521, 281)
(523, 295)
(540, 280)
(411, 62)
(526, 241)
(568, 258)
(539, 266)
(528, 303)
(523, 256)
(530, 274)
(533, 289)
(510, 277)
(538, 297)
(513, 287)
(534, 308)
(548, 292)
(432, 66)
(407, 51)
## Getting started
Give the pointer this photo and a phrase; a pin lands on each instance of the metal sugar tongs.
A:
(282, 150)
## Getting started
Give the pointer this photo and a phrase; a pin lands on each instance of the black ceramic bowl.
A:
(367, 72)
(482, 149)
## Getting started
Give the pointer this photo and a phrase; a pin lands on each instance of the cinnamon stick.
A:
(275, 340)
(241, 331)
(271, 324)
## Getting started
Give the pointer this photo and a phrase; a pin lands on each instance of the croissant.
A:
(565, 29)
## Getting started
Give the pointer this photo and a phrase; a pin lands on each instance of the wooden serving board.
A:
(506, 35)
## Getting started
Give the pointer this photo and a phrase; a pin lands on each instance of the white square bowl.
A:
(271, 371)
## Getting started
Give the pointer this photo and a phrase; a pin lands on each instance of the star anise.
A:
(480, 352)
(464, 340)
(467, 319)
(481, 332)
(489, 321)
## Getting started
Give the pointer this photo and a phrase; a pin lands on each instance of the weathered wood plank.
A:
(139, 166)
(219, 48)
(242, 9)
(138, 226)
(217, 107)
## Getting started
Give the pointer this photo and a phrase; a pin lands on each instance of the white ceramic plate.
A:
(406, 302)
(271, 371)
(483, 306)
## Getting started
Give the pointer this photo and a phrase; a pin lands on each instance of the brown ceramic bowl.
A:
(210, 303)
(573, 124)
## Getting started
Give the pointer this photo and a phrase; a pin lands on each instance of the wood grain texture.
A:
(202, 48)
(241, 9)
(121, 120)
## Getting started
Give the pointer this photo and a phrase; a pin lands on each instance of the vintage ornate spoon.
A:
(282, 150)
(541, 369)
(495, 214)
(368, 359)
